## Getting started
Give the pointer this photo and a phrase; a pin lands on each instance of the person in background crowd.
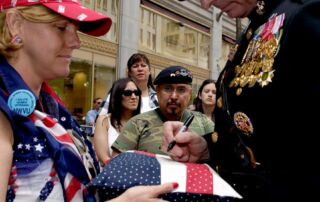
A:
(205, 101)
(266, 148)
(139, 71)
(92, 114)
(125, 102)
(144, 132)
(44, 155)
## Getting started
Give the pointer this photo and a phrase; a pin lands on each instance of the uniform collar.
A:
(270, 5)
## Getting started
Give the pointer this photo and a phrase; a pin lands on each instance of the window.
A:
(173, 39)
(75, 90)
(109, 8)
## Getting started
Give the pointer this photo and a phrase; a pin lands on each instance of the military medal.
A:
(265, 78)
(243, 123)
(258, 60)
(252, 81)
(243, 81)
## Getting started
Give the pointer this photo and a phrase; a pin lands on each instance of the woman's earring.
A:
(16, 40)
(260, 7)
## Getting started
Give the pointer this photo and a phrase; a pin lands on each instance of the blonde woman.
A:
(43, 154)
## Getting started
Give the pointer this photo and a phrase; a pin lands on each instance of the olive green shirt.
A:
(144, 131)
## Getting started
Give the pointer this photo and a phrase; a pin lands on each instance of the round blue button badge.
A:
(22, 102)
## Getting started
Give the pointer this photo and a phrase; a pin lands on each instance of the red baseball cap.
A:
(91, 22)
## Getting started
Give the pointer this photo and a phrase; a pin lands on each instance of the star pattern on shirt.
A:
(39, 147)
(28, 146)
(20, 146)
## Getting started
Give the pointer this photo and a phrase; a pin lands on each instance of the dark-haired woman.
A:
(125, 102)
(139, 71)
(205, 101)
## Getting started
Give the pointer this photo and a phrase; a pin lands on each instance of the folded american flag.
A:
(197, 182)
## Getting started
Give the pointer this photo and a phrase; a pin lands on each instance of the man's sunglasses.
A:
(129, 92)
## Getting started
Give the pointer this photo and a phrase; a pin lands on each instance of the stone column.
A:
(129, 22)
(216, 43)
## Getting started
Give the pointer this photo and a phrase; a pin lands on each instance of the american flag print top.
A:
(69, 189)
(47, 163)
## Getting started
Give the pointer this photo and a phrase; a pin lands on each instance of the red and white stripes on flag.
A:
(193, 178)
(73, 187)
(56, 130)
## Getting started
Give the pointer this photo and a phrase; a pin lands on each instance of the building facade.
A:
(169, 32)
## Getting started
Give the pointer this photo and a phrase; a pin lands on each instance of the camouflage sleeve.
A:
(128, 139)
(208, 125)
(201, 124)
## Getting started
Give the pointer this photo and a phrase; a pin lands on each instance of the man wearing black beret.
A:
(144, 132)
(174, 75)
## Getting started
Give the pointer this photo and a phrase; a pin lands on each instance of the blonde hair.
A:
(38, 14)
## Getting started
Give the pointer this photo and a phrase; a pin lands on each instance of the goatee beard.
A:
(174, 115)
